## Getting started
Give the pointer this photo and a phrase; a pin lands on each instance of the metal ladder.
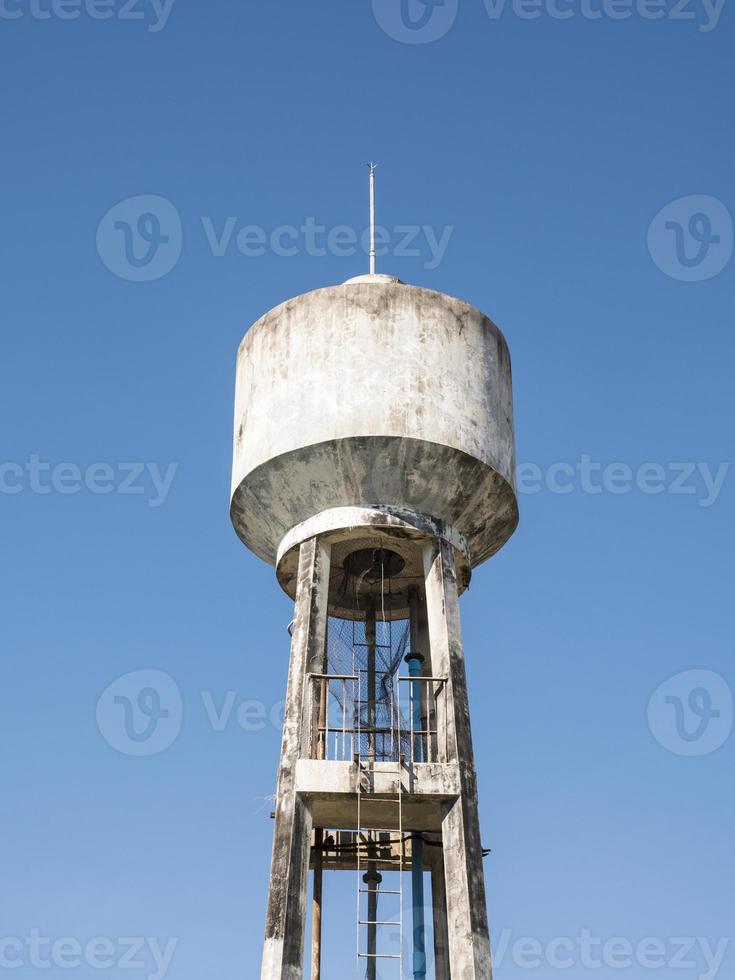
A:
(368, 878)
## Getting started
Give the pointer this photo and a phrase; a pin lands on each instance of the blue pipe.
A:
(417, 844)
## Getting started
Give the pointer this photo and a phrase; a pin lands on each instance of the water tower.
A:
(374, 468)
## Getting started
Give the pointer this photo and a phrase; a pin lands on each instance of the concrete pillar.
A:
(439, 907)
(469, 942)
(435, 748)
(283, 952)
(316, 907)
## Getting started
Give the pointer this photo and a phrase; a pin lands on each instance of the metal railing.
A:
(332, 735)
(429, 695)
(337, 734)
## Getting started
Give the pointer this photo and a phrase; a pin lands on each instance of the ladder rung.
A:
(373, 848)
(380, 772)
(388, 772)
(376, 854)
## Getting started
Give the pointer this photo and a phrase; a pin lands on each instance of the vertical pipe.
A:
(316, 907)
(372, 879)
(370, 642)
(417, 844)
(414, 661)
(372, 218)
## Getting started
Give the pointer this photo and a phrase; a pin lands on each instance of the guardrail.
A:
(424, 726)
(344, 724)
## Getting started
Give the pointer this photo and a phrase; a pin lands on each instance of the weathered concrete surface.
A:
(420, 779)
(439, 909)
(283, 950)
(331, 791)
(424, 813)
(467, 927)
(371, 394)
(351, 528)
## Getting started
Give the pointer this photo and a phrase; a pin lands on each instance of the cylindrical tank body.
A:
(374, 394)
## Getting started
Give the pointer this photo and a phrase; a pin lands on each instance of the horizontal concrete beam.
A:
(440, 779)
(331, 791)
(387, 855)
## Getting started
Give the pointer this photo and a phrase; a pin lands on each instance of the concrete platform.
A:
(330, 791)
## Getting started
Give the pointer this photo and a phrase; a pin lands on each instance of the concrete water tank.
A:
(374, 394)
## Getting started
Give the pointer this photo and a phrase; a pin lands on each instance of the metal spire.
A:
(372, 167)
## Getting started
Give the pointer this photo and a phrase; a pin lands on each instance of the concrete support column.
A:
(316, 907)
(467, 929)
(435, 743)
(283, 952)
(439, 906)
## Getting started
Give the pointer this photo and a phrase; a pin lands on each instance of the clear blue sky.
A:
(547, 146)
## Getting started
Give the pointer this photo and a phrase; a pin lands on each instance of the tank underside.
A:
(375, 471)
